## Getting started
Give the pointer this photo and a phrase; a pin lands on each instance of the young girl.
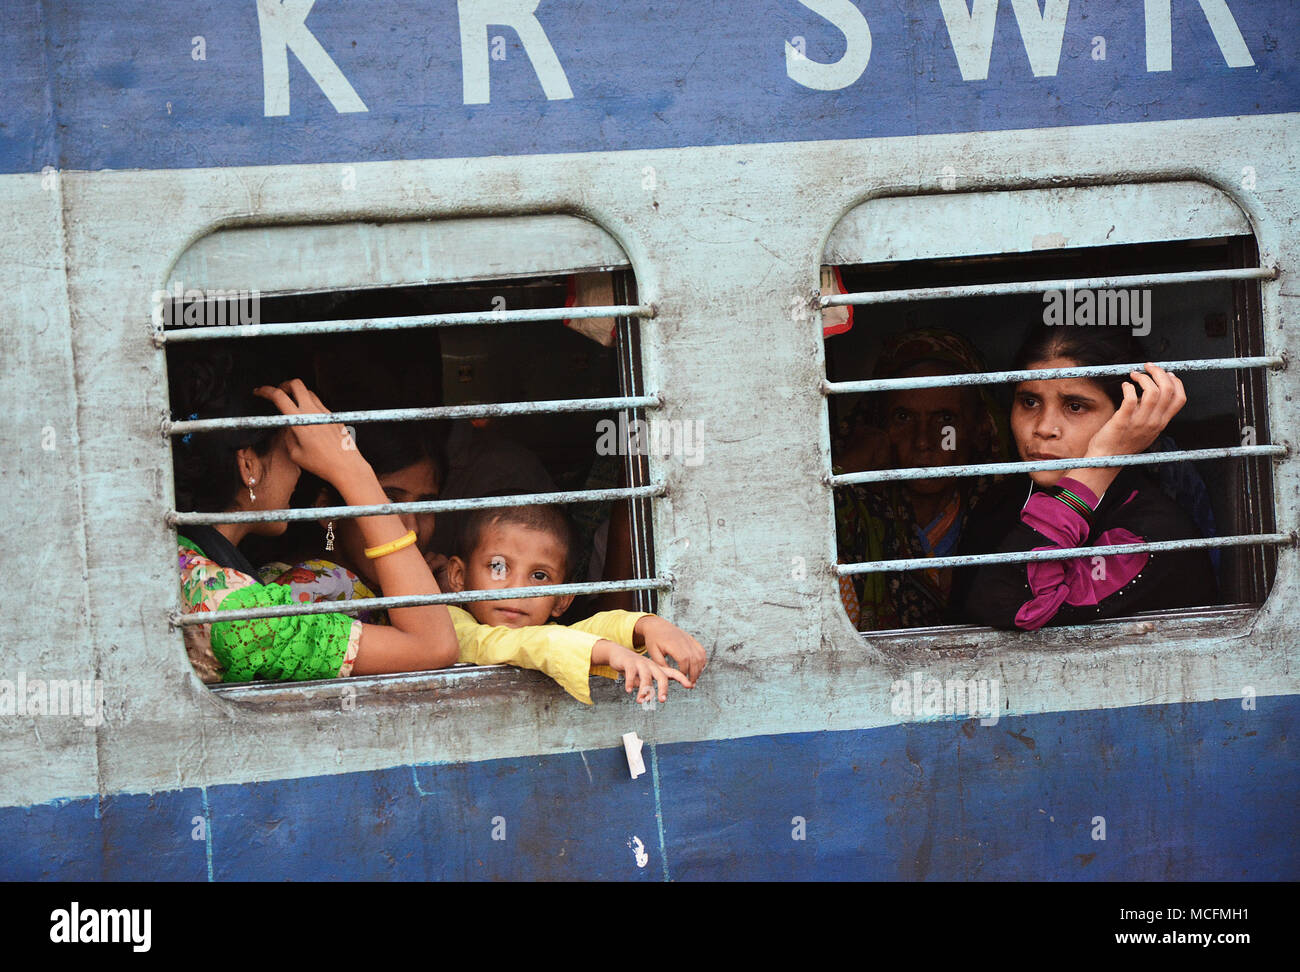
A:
(1072, 418)
(257, 469)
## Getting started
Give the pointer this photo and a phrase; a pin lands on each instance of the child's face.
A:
(512, 555)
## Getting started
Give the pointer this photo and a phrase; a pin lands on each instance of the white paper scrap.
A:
(632, 744)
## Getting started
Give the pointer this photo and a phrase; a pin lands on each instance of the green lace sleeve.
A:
(295, 649)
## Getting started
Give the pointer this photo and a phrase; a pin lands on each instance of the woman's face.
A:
(273, 487)
(931, 427)
(1057, 419)
(417, 483)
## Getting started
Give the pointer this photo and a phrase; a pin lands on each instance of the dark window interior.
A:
(472, 364)
(1218, 319)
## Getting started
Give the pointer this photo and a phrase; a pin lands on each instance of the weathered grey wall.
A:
(723, 245)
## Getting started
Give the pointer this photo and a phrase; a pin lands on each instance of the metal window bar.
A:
(624, 313)
(427, 506)
(1039, 286)
(175, 335)
(1043, 374)
(1047, 374)
(1067, 553)
(636, 466)
(416, 600)
(1269, 540)
(1251, 573)
(1043, 465)
(441, 412)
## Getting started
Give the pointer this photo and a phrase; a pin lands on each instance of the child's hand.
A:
(662, 638)
(638, 671)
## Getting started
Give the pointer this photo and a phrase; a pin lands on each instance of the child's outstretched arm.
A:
(652, 635)
(660, 638)
(638, 671)
(562, 653)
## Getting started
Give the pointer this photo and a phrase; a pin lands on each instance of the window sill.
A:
(1224, 620)
(467, 683)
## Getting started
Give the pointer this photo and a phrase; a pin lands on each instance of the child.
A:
(525, 546)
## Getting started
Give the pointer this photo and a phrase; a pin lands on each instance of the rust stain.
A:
(1021, 737)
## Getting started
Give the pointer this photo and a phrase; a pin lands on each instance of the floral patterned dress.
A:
(294, 649)
(322, 580)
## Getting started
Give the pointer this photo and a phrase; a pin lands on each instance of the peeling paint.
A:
(638, 850)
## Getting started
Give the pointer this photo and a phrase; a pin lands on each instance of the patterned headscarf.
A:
(876, 523)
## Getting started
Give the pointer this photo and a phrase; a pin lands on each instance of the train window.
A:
(933, 437)
(500, 349)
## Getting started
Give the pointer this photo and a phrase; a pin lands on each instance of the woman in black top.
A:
(1073, 418)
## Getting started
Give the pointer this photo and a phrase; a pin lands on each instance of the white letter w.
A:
(971, 32)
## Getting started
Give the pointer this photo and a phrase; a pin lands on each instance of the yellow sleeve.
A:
(616, 626)
(562, 653)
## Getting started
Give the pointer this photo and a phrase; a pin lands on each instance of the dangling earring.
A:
(329, 536)
(252, 497)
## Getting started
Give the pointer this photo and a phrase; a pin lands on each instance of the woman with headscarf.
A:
(918, 518)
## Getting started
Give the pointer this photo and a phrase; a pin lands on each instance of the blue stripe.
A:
(92, 84)
(207, 832)
(1197, 791)
(659, 809)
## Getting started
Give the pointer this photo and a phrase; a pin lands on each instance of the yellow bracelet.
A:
(401, 543)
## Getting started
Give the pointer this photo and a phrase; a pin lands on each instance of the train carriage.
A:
(704, 168)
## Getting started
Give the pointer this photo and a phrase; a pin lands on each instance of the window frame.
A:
(858, 231)
(582, 246)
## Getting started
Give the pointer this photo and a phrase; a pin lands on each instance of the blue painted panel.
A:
(57, 841)
(1201, 791)
(129, 837)
(437, 823)
(155, 835)
(26, 112)
(130, 94)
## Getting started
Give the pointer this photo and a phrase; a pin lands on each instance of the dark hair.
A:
(1085, 346)
(206, 465)
(936, 367)
(388, 447)
(549, 519)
